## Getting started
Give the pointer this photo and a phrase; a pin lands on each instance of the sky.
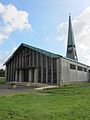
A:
(44, 24)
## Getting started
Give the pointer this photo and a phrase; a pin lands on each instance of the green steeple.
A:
(71, 49)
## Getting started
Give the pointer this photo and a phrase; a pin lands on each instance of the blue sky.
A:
(44, 17)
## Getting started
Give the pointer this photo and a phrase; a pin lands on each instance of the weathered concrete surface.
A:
(46, 87)
(7, 89)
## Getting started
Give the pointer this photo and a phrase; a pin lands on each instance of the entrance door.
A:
(26, 75)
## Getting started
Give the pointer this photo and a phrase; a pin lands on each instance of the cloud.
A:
(3, 58)
(12, 19)
(81, 28)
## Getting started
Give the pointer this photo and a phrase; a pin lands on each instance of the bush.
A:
(2, 73)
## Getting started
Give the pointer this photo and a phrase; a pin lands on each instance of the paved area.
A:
(7, 89)
(46, 87)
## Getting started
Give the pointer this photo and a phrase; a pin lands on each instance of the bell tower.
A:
(71, 48)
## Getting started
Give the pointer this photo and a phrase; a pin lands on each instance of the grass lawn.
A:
(70, 102)
(2, 80)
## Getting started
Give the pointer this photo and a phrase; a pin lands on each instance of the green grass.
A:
(70, 102)
(2, 80)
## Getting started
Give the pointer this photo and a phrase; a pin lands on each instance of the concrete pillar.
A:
(19, 60)
(14, 70)
(30, 75)
(35, 75)
(88, 75)
(16, 76)
(23, 58)
(16, 62)
(41, 68)
(46, 69)
(59, 72)
(32, 58)
(29, 57)
(20, 75)
(10, 71)
(6, 74)
(37, 59)
(51, 71)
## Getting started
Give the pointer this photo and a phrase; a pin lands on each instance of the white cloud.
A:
(81, 28)
(3, 58)
(11, 19)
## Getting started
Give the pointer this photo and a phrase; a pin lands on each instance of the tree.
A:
(2, 73)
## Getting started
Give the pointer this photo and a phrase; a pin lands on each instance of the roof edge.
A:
(53, 55)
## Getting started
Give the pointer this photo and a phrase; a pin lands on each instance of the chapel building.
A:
(35, 65)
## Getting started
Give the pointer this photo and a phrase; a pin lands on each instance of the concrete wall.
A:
(73, 75)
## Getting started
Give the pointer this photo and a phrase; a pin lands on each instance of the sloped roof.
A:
(49, 54)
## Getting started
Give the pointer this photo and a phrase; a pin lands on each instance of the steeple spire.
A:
(71, 49)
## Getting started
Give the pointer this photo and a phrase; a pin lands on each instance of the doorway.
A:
(29, 75)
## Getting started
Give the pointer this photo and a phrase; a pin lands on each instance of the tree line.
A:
(2, 73)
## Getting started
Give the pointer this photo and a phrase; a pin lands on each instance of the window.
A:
(72, 66)
(79, 68)
(85, 69)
